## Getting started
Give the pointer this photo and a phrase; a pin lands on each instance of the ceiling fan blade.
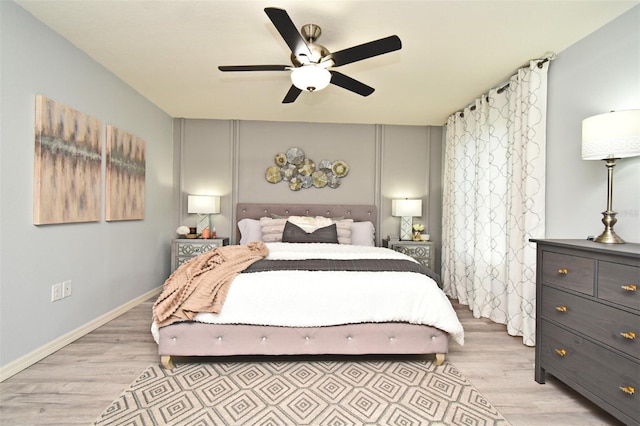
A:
(291, 95)
(254, 67)
(351, 84)
(288, 31)
(366, 50)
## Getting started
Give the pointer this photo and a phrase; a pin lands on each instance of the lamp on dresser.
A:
(406, 210)
(203, 206)
(609, 137)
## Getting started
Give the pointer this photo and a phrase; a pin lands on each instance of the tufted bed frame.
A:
(188, 339)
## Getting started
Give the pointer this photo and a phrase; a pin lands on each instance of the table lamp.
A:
(406, 209)
(203, 206)
(609, 137)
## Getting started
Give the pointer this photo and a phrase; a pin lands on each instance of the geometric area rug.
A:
(308, 392)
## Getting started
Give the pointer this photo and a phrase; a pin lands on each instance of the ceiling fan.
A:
(311, 61)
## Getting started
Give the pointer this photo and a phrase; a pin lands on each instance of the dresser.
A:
(422, 251)
(184, 249)
(588, 321)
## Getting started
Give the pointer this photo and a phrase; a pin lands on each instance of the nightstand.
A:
(422, 251)
(184, 249)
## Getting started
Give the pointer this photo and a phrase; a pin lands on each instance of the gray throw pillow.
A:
(294, 234)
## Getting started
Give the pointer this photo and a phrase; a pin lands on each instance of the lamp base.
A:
(202, 222)
(406, 228)
(609, 236)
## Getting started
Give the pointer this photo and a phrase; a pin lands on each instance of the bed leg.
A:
(439, 359)
(167, 362)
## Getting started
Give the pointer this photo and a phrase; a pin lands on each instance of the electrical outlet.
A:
(66, 288)
(56, 292)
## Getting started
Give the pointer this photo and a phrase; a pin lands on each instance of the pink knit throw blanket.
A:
(201, 284)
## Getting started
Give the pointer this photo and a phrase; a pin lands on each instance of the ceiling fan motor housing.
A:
(310, 32)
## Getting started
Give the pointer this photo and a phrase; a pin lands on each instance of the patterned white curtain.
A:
(494, 195)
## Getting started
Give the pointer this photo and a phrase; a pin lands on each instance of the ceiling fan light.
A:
(310, 78)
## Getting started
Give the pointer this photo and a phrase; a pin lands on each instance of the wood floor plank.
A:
(74, 385)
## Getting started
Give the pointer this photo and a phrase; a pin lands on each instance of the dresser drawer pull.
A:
(561, 352)
(630, 390)
(563, 271)
(628, 335)
(561, 308)
(630, 287)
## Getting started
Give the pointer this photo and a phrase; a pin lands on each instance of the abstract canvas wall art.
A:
(125, 185)
(68, 165)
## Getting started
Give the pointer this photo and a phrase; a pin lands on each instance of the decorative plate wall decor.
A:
(301, 173)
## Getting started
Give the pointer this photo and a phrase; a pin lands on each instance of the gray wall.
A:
(229, 158)
(600, 73)
(109, 263)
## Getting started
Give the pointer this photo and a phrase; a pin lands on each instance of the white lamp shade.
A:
(203, 204)
(406, 208)
(611, 135)
(310, 78)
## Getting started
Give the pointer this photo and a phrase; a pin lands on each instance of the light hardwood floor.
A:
(74, 385)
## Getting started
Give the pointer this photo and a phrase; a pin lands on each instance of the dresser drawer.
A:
(566, 271)
(591, 367)
(619, 284)
(604, 323)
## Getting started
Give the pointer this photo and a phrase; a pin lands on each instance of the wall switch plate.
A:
(66, 288)
(56, 292)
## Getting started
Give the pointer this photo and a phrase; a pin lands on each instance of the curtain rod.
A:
(549, 56)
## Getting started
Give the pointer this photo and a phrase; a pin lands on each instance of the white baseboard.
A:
(42, 352)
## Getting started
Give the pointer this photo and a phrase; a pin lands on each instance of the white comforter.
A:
(303, 299)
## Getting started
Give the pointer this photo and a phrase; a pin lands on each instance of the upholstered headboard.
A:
(359, 213)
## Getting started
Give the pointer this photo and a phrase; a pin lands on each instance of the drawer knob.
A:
(561, 308)
(628, 335)
(630, 287)
(561, 352)
(563, 271)
(629, 390)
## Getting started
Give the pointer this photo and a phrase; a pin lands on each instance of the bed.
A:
(384, 309)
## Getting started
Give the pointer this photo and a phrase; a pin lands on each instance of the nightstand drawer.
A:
(604, 323)
(180, 260)
(194, 249)
(566, 271)
(619, 284)
(603, 373)
(185, 249)
(422, 251)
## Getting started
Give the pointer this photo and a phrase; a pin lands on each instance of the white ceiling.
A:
(452, 51)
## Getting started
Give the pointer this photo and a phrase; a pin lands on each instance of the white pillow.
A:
(272, 229)
(250, 230)
(310, 224)
(363, 234)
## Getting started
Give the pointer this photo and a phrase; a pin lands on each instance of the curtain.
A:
(494, 195)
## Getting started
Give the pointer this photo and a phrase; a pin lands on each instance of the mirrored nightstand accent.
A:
(184, 249)
(422, 251)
